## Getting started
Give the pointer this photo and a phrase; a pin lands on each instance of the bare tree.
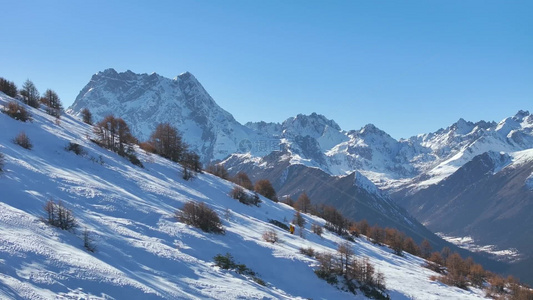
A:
(298, 219)
(363, 227)
(87, 116)
(457, 271)
(58, 215)
(201, 216)
(270, 236)
(191, 160)
(317, 229)
(218, 170)
(243, 180)
(88, 242)
(2, 162)
(113, 133)
(335, 221)
(53, 103)
(168, 142)
(303, 203)
(23, 140)
(425, 249)
(345, 256)
(410, 246)
(264, 187)
(17, 111)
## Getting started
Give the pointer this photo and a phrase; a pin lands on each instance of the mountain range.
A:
(439, 177)
(139, 248)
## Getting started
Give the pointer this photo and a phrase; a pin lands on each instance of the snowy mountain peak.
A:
(186, 76)
(144, 101)
(522, 114)
(325, 131)
(108, 71)
(462, 127)
(266, 128)
(313, 122)
(369, 129)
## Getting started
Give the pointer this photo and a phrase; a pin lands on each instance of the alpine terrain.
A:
(467, 182)
(126, 242)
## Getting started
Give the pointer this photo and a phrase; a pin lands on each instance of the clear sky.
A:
(408, 67)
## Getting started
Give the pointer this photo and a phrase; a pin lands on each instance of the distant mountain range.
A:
(441, 178)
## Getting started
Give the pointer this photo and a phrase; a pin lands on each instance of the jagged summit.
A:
(144, 101)
(521, 114)
(186, 76)
(462, 127)
(372, 129)
(108, 71)
(314, 119)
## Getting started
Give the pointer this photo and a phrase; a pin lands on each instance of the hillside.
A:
(142, 251)
(488, 199)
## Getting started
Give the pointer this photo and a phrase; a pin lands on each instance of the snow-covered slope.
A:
(142, 251)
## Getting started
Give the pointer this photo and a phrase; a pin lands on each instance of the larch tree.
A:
(30, 94)
(303, 203)
(345, 256)
(113, 133)
(243, 180)
(8, 87)
(53, 103)
(298, 219)
(265, 188)
(168, 142)
(425, 249)
(87, 116)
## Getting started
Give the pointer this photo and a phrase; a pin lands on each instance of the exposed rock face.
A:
(144, 101)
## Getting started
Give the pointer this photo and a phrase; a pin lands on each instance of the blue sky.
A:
(408, 67)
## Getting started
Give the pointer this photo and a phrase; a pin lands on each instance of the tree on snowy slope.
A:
(167, 142)
(30, 94)
(8, 87)
(58, 215)
(191, 161)
(53, 103)
(303, 203)
(335, 221)
(16, 111)
(113, 133)
(243, 180)
(87, 116)
(265, 188)
(218, 170)
(2, 162)
(201, 216)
